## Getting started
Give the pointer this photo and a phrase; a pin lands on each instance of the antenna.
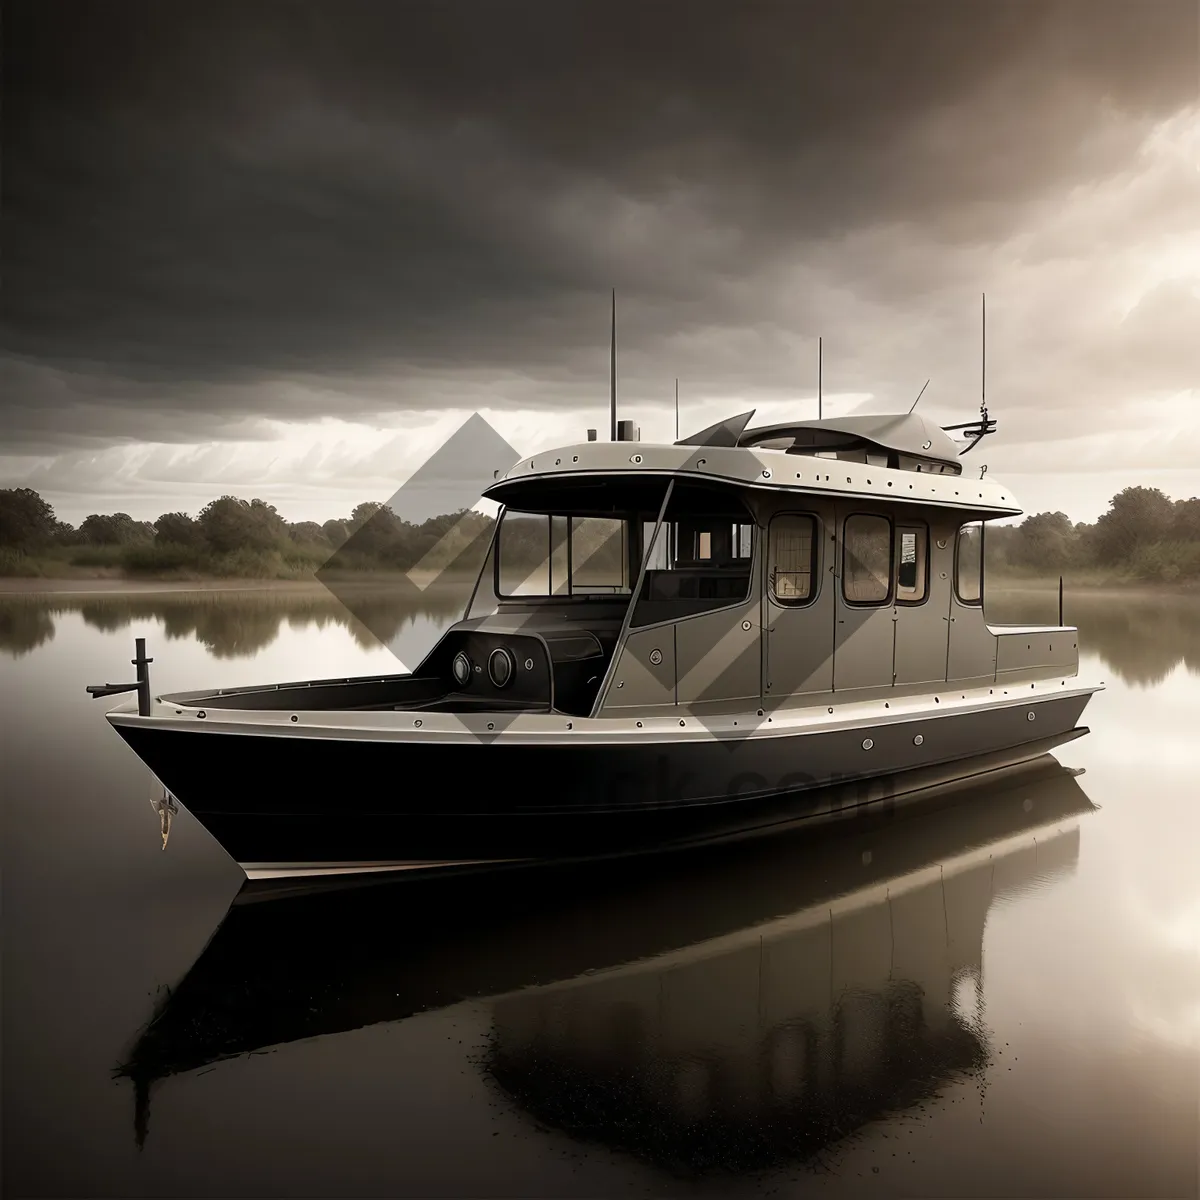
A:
(919, 395)
(977, 430)
(677, 410)
(820, 402)
(612, 370)
(983, 356)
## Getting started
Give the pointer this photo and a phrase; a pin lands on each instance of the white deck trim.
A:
(554, 728)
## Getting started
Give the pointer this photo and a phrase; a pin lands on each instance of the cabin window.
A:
(968, 564)
(701, 559)
(912, 563)
(866, 559)
(599, 555)
(792, 552)
(540, 555)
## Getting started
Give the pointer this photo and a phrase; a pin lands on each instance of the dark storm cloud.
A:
(202, 198)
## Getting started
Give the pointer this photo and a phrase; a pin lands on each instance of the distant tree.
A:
(114, 529)
(335, 532)
(306, 531)
(26, 520)
(1086, 543)
(65, 534)
(378, 533)
(230, 524)
(1137, 516)
(363, 513)
(1043, 541)
(177, 529)
(1185, 521)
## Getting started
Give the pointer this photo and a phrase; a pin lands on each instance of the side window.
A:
(866, 559)
(791, 561)
(968, 564)
(912, 563)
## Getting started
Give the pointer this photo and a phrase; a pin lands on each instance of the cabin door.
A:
(921, 601)
(972, 655)
(798, 598)
(864, 632)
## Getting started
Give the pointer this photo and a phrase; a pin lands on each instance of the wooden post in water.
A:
(143, 676)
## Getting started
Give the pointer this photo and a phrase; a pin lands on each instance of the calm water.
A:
(993, 993)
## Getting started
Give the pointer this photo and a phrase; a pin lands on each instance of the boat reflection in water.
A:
(735, 1007)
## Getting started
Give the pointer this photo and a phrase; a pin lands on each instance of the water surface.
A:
(993, 993)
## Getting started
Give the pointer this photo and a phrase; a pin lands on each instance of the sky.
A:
(285, 250)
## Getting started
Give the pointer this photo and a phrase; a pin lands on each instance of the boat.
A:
(834, 962)
(665, 644)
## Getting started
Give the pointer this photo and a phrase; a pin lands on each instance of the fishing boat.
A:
(665, 644)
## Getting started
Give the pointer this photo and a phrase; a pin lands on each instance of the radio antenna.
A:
(677, 410)
(919, 395)
(983, 356)
(820, 400)
(977, 430)
(612, 370)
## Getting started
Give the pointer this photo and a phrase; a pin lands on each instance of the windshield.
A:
(541, 555)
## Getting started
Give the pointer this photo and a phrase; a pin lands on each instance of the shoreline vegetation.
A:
(1142, 634)
(1144, 542)
(380, 582)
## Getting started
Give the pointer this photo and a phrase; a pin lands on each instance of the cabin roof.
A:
(905, 433)
(755, 467)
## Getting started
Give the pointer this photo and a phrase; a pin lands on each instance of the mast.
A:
(983, 354)
(677, 410)
(820, 403)
(612, 370)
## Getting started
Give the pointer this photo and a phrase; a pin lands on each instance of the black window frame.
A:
(899, 527)
(889, 596)
(813, 573)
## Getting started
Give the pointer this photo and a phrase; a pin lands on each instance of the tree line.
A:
(228, 536)
(1143, 535)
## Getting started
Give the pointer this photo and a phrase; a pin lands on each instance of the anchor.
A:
(166, 808)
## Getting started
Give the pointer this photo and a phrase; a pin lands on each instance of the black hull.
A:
(288, 801)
